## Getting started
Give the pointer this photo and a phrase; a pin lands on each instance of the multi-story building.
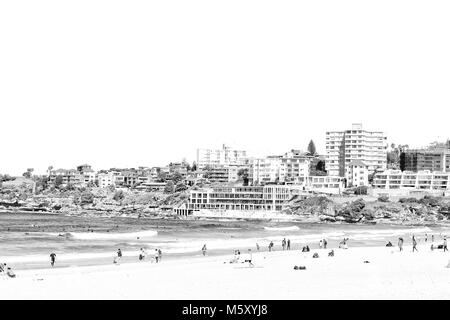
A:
(106, 179)
(240, 198)
(217, 157)
(70, 176)
(357, 174)
(425, 159)
(342, 147)
(278, 169)
(422, 180)
(223, 174)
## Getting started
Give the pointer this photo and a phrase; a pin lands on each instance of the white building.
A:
(240, 198)
(106, 179)
(342, 147)
(422, 180)
(278, 169)
(218, 157)
(357, 174)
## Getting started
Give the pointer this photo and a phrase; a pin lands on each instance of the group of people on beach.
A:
(155, 256)
(414, 243)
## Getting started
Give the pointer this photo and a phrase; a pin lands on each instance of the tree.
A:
(28, 173)
(170, 187)
(177, 177)
(312, 148)
(243, 174)
(162, 176)
(58, 181)
(180, 187)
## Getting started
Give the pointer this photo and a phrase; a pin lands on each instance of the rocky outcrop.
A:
(426, 210)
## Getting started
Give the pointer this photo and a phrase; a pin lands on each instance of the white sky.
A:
(130, 83)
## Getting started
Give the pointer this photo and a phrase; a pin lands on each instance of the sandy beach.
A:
(390, 274)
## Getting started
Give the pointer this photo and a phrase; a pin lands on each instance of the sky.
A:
(144, 83)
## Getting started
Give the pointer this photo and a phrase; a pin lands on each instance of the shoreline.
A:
(275, 217)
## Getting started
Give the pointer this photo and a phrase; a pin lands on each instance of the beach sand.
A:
(390, 274)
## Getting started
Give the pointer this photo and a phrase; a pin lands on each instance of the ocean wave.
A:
(292, 228)
(107, 236)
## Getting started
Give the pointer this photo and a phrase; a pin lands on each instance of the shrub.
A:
(361, 190)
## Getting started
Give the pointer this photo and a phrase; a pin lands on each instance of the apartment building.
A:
(218, 157)
(281, 169)
(425, 159)
(106, 179)
(223, 174)
(343, 147)
(422, 180)
(357, 174)
(67, 176)
(240, 198)
(320, 184)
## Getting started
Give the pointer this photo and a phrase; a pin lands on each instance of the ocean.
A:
(27, 239)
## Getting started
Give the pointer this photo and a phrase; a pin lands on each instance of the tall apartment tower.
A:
(343, 147)
(220, 157)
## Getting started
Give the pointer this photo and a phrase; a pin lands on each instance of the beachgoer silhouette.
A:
(414, 242)
(289, 244)
(204, 250)
(257, 246)
(400, 244)
(249, 258)
(325, 243)
(159, 254)
(156, 256)
(52, 259)
(445, 244)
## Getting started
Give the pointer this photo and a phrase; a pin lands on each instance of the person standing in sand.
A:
(119, 256)
(257, 246)
(52, 259)
(204, 250)
(289, 244)
(414, 242)
(159, 254)
(325, 243)
(400, 244)
(320, 244)
(445, 244)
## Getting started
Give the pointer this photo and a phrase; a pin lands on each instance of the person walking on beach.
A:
(257, 246)
(159, 254)
(325, 243)
(400, 243)
(289, 244)
(52, 258)
(249, 258)
(283, 243)
(445, 244)
(320, 244)
(414, 244)
(119, 256)
(204, 250)
(156, 256)
(270, 246)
